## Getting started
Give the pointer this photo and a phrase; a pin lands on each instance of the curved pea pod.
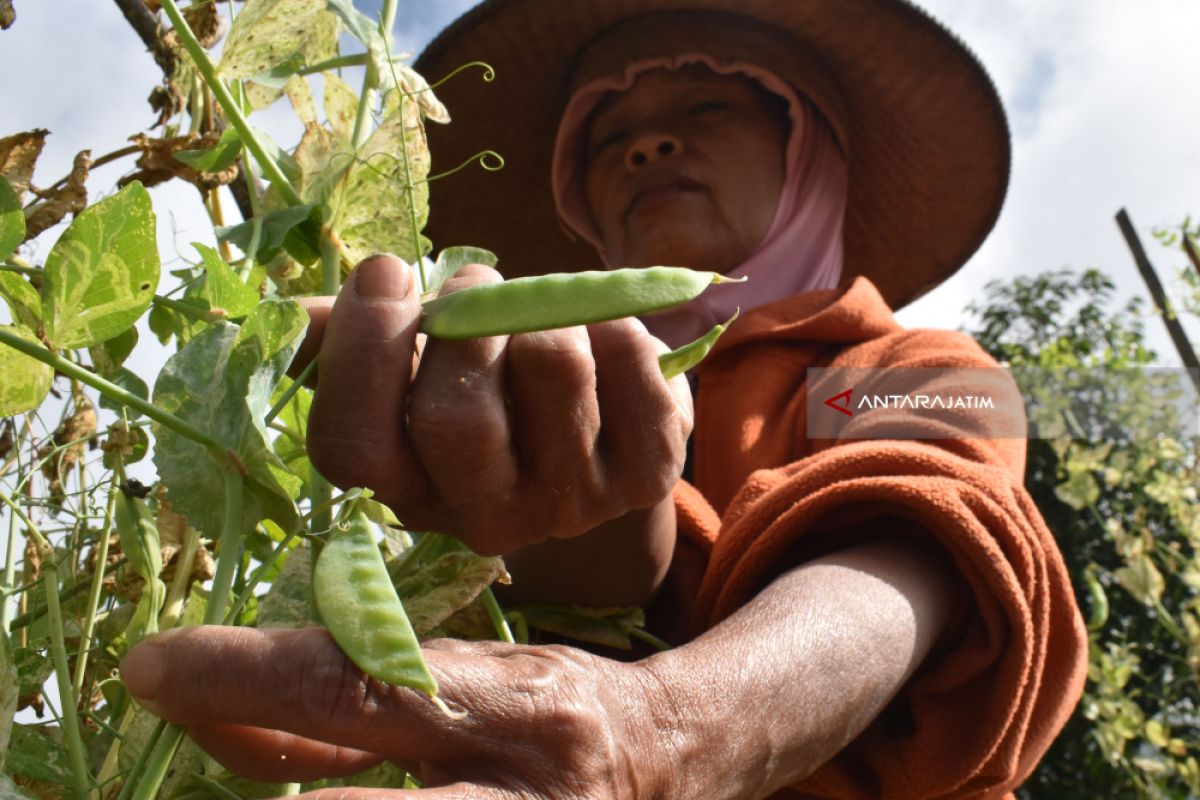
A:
(360, 607)
(684, 358)
(1097, 599)
(560, 300)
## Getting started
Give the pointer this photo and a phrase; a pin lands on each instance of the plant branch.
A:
(89, 617)
(77, 756)
(146, 25)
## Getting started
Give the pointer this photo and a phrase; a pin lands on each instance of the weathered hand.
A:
(284, 705)
(503, 441)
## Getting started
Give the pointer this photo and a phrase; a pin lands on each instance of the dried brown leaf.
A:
(54, 204)
(18, 154)
(167, 100)
(157, 163)
(8, 14)
(33, 561)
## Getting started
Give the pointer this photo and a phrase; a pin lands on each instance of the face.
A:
(685, 168)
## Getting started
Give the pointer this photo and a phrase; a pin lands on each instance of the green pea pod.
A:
(359, 605)
(1097, 599)
(140, 543)
(560, 300)
(681, 360)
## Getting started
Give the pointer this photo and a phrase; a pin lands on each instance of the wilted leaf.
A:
(413, 87)
(18, 155)
(161, 160)
(221, 382)
(223, 290)
(382, 201)
(1142, 580)
(8, 694)
(443, 585)
(207, 25)
(12, 220)
(609, 627)
(26, 380)
(217, 158)
(267, 33)
(8, 14)
(300, 95)
(54, 204)
(22, 299)
(341, 106)
(102, 272)
(289, 601)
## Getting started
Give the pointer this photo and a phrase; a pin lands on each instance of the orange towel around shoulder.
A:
(984, 707)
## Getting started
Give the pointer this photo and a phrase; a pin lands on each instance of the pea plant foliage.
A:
(232, 526)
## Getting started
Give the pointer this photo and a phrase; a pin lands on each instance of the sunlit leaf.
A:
(221, 382)
(269, 33)
(443, 585)
(23, 300)
(12, 220)
(382, 201)
(1079, 491)
(452, 259)
(222, 288)
(102, 273)
(358, 24)
(26, 380)
(300, 96)
(1142, 580)
(341, 106)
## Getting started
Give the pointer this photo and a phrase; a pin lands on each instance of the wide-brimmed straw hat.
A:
(919, 121)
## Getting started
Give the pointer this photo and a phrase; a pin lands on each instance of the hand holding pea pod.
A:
(545, 723)
(502, 441)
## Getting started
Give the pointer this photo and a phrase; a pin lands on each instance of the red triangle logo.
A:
(841, 402)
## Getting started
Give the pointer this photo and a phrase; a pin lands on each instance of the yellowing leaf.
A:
(26, 381)
(22, 299)
(18, 154)
(267, 33)
(1142, 580)
(341, 106)
(102, 272)
(300, 95)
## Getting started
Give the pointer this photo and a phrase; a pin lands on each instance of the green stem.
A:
(256, 228)
(255, 579)
(331, 263)
(80, 776)
(72, 370)
(233, 111)
(32, 529)
(366, 100)
(159, 761)
(10, 574)
(650, 639)
(296, 386)
(231, 541)
(412, 555)
(496, 614)
(31, 271)
(89, 617)
(192, 312)
(355, 60)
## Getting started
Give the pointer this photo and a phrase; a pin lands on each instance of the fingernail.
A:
(382, 277)
(142, 672)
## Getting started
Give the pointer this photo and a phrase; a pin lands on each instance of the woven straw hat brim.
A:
(926, 139)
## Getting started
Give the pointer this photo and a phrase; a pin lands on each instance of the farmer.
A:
(881, 618)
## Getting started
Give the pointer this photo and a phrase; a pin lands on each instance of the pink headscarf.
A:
(802, 249)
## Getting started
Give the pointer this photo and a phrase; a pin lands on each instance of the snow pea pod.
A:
(360, 607)
(680, 360)
(560, 300)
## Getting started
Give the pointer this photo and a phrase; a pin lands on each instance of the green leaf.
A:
(284, 159)
(358, 24)
(1079, 491)
(278, 76)
(221, 382)
(22, 299)
(442, 586)
(12, 220)
(1142, 580)
(26, 380)
(222, 288)
(162, 323)
(275, 227)
(267, 34)
(34, 754)
(219, 157)
(290, 446)
(378, 208)
(9, 692)
(101, 274)
(107, 357)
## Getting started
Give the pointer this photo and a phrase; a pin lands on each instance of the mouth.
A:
(661, 191)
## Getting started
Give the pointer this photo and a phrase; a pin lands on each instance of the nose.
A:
(651, 146)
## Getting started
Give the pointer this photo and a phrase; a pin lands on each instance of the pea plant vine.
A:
(228, 529)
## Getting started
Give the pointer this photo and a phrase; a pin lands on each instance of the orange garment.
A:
(1002, 681)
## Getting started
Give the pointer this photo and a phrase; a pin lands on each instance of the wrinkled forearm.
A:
(777, 689)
